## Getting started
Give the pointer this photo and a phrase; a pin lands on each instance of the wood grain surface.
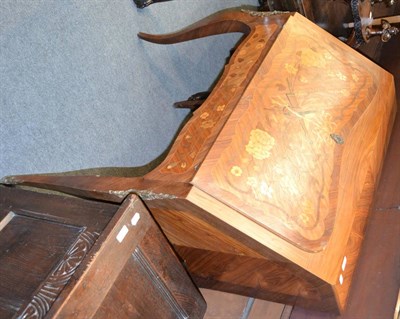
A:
(137, 275)
(199, 133)
(43, 240)
(374, 290)
(277, 167)
(274, 161)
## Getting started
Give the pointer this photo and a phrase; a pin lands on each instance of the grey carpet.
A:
(79, 89)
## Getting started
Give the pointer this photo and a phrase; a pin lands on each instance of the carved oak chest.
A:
(71, 258)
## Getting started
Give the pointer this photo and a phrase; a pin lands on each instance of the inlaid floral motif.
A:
(279, 166)
(220, 107)
(236, 171)
(290, 68)
(313, 58)
(260, 144)
(260, 188)
(204, 115)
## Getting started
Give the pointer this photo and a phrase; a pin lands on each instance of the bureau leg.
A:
(263, 5)
(145, 3)
(222, 22)
(193, 102)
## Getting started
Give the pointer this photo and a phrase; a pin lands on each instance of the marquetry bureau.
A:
(63, 257)
(267, 188)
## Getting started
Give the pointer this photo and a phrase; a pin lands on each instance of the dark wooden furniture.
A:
(71, 258)
(331, 15)
(267, 188)
(351, 20)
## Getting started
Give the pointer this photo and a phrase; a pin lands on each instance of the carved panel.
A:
(59, 277)
(155, 279)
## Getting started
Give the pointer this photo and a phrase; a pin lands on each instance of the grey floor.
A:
(78, 88)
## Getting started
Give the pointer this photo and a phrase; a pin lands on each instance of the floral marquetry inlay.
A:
(260, 144)
(277, 160)
(206, 124)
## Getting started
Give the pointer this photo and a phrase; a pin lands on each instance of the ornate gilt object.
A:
(386, 32)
